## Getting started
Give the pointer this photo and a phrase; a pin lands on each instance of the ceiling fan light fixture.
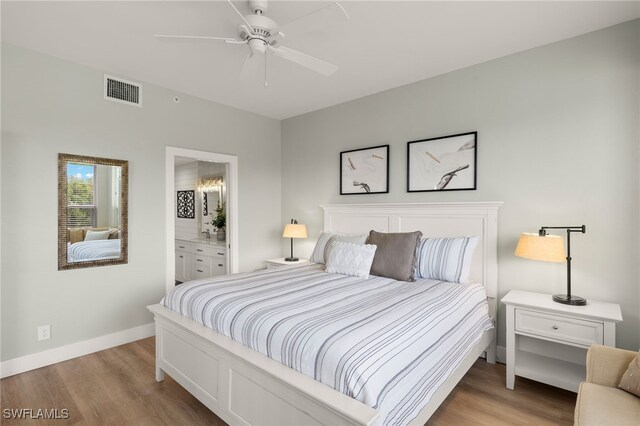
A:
(257, 45)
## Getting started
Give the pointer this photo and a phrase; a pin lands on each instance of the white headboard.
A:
(434, 220)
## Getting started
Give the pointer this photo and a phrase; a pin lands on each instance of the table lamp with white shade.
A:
(550, 248)
(294, 230)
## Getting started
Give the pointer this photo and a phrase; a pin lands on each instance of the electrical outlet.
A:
(44, 332)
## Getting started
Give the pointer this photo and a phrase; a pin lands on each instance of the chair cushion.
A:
(602, 405)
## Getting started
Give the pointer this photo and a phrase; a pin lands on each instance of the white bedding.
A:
(84, 251)
(386, 343)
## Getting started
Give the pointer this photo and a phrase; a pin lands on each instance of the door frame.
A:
(232, 206)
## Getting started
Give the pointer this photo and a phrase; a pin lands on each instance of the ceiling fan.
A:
(263, 35)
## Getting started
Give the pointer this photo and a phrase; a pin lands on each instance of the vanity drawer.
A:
(205, 250)
(219, 254)
(557, 327)
(201, 262)
(200, 271)
(218, 268)
(182, 246)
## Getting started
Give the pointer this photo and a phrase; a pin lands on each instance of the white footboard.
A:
(243, 386)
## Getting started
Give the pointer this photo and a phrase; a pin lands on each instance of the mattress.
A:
(389, 344)
(84, 251)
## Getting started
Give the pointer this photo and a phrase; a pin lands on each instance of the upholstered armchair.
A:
(600, 401)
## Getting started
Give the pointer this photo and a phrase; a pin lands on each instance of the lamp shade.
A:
(548, 248)
(294, 230)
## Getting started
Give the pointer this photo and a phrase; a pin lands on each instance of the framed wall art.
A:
(446, 163)
(365, 171)
(186, 206)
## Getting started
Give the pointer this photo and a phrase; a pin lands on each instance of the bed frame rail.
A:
(242, 386)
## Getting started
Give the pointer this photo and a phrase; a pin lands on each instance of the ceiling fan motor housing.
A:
(263, 29)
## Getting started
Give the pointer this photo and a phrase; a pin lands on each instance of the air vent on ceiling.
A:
(119, 90)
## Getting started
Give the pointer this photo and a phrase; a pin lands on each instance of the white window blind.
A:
(81, 197)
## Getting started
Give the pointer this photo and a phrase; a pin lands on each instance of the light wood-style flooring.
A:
(117, 387)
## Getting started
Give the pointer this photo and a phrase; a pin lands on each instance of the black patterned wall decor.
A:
(186, 204)
(205, 204)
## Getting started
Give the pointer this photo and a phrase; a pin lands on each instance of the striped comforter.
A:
(93, 250)
(386, 343)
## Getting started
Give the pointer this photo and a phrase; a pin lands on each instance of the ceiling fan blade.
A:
(315, 64)
(192, 38)
(323, 17)
(241, 16)
(252, 64)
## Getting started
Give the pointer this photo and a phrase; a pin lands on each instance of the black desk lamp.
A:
(550, 248)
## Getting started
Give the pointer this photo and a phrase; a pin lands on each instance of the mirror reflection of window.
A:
(81, 195)
(92, 222)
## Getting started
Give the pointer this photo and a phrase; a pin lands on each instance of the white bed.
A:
(243, 386)
(85, 251)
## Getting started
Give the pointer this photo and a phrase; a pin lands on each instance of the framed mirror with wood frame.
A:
(93, 205)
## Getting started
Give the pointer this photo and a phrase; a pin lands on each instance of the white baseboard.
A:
(74, 350)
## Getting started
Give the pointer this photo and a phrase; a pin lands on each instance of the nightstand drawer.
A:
(571, 330)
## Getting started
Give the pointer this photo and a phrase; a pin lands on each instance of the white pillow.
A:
(97, 235)
(323, 246)
(446, 259)
(350, 259)
(351, 238)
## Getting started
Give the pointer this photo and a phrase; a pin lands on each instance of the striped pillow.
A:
(323, 246)
(320, 251)
(446, 259)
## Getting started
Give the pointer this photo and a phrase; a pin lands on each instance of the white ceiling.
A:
(384, 45)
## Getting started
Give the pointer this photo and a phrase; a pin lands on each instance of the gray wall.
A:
(558, 142)
(51, 106)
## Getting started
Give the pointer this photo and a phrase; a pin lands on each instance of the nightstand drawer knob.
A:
(555, 327)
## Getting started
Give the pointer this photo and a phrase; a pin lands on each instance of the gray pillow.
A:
(395, 254)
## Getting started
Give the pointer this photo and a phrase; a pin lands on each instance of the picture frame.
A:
(445, 163)
(186, 205)
(365, 171)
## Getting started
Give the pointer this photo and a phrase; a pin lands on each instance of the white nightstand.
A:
(281, 263)
(548, 341)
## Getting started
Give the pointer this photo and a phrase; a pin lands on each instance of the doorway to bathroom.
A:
(201, 222)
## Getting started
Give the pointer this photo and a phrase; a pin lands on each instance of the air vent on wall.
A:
(119, 90)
